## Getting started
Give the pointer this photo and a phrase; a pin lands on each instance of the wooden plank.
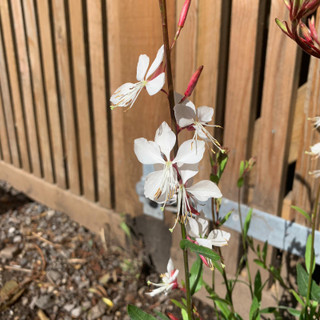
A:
(14, 85)
(26, 88)
(280, 85)
(81, 97)
(37, 85)
(65, 95)
(85, 212)
(6, 155)
(51, 92)
(238, 115)
(305, 186)
(99, 100)
(133, 29)
(7, 108)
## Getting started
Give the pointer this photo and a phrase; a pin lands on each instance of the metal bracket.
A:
(279, 233)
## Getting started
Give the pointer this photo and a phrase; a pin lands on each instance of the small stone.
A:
(27, 221)
(8, 252)
(97, 311)
(86, 305)
(17, 239)
(68, 307)
(75, 313)
(44, 302)
(24, 301)
(50, 214)
(54, 276)
(11, 231)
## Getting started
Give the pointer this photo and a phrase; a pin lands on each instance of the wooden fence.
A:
(59, 60)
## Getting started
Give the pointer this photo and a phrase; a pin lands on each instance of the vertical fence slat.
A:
(37, 82)
(133, 29)
(24, 74)
(7, 108)
(280, 85)
(6, 155)
(99, 100)
(65, 94)
(81, 97)
(51, 92)
(14, 85)
(237, 132)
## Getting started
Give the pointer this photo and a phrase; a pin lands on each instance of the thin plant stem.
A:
(186, 273)
(314, 218)
(244, 245)
(165, 35)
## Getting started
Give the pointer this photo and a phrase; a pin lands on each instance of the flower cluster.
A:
(305, 36)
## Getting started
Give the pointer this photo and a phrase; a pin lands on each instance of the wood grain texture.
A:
(5, 151)
(26, 86)
(133, 29)
(65, 95)
(237, 128)
(99, 100)
(7, 33)
(279, 88)
(84, 126)
(51, 92)
(7, 108)
(37, 86)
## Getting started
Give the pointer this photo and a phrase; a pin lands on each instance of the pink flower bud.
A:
(184, 13)
(193, 82)
(171, 316)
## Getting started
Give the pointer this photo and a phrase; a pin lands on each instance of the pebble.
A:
(54, 276)
(17, 239)
(97, 311)
(8, 252)
(11, 231)
(44, 302)
(86, 305)
(75, 313)
(68, 307)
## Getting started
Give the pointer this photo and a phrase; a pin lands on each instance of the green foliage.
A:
(218, 165)
(206, 252)
(304, 213)
(258, 286)
(196, 276)
(302, 280)
(225, 218)
(309, 250)
(247, 223)
(136, 313)
(161, 315)
(254, 313)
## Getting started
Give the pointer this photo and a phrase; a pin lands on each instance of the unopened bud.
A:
(184, 13)
(171, 316)
(193, 82)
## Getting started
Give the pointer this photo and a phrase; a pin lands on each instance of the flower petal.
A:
(170, 266)
(153, 184)
(205, 114)
(154, 292)
(155, 85)
(157, 61)
(205, 189)
(219, 237)
(124, 94)
(187, 171)
(142, 66)
(147, 152)
(193, 228)
(190, 152)
(185, 115)
(165, 138)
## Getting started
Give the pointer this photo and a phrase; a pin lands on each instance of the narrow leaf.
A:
(206, 252)
(196, 276)
(258, 286)
(304, 213)
(260, 263)
(254, 309)
(297, 297)
(308, 253)
(223, 307)
(265, 251)
(302, 280)
(247, 223)
(225, 218)
(136, 313)
(161, 315)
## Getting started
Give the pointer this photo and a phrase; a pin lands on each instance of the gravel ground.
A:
(53, 268)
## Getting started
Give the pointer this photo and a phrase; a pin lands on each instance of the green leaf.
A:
(196, 276)
(136, 313)
(223, 307)
(184, 314)
(225, 218)
(240, 182)
(206, 252)
(247, 223)
(309, 250)
(178, 304)
(242, 168)
(281, 25)
(254, 309)
(264, 252)
(258, 286)
(297, 297)
(218, 266)
(161, 315)
(260, 263)
(304, 213)
(125, 229)
(214, 178)
(268, 310)
(294, 312)
(302, 280)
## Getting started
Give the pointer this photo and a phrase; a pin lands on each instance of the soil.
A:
(53, 268)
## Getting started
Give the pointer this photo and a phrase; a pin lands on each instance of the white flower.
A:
(315, 173)
(316, 121)
(161, 185)
(187, 116)
(216, 237)
(169, 281)
(314, 150)
(126, 95)
(197, 227)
